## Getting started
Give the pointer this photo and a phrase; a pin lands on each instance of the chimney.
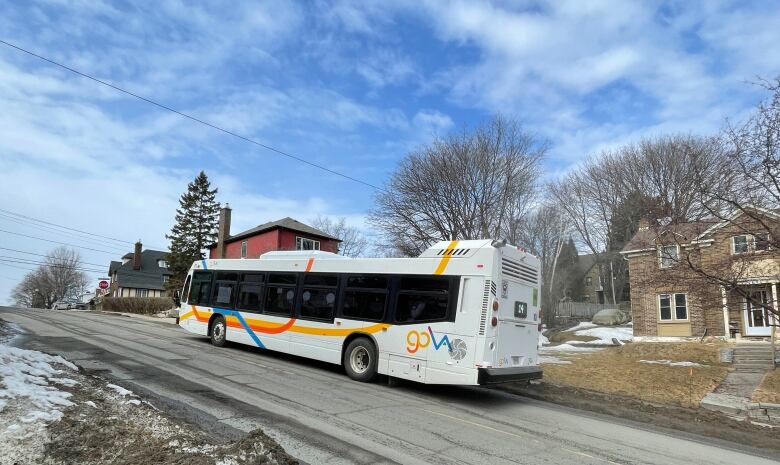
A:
(137, 256)
(224, 230)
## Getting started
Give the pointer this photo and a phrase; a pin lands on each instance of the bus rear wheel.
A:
(218, 331)
(360, 360)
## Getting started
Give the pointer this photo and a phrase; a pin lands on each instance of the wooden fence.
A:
(580, 310)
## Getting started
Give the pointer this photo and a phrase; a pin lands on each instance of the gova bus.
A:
(463, 312)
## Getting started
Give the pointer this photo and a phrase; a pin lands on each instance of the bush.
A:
(140, 305)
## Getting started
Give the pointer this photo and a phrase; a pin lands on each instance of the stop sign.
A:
(103, 284)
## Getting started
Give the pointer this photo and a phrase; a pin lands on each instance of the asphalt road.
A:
(320, 416)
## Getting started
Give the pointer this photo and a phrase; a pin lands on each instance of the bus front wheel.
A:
(360, 360)
(218, 331)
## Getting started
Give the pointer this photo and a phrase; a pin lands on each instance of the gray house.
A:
(142, 273)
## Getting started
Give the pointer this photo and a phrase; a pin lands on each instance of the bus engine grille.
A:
(517, 270)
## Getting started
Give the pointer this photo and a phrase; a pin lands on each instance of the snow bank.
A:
(27, 384)
(543, 341)
(567, 348)
(671, 363)
(120, 390)
(582, 325)
(605, 334)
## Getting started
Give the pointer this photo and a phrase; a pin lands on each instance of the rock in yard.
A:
(611, 316)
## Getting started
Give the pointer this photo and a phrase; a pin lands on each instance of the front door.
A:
(757, 318)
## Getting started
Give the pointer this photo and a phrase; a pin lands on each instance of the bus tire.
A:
(361, 359)
(218, 331)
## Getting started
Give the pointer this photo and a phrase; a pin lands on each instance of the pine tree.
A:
(568, 282)
(197, 220)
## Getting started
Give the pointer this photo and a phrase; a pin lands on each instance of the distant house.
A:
(142, 273)
(284, 234)
(667, 299)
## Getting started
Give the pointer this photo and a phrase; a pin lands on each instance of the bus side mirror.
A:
(176, 299)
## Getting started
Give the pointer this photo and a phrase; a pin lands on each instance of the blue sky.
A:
(350, 85)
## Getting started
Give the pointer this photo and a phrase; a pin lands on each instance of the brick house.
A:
(284, 234)
(669, 298)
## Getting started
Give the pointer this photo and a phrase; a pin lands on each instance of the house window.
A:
(668, 255)
(761, 242)
(166, 278)
(243, 249)
(301, 243)
(740, 244)
(162, 263)
(745, 243)
(141, 292)
(588, 281)
(673, 307)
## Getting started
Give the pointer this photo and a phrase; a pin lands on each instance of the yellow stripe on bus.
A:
(446, 258)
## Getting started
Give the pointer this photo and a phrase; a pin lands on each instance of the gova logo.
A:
(416, 340)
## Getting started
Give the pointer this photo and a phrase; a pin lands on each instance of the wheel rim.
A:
(360, 360)
(219, 331)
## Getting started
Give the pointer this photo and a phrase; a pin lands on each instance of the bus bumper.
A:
(508, 375)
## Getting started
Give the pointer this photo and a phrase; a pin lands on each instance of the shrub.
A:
(140, 305)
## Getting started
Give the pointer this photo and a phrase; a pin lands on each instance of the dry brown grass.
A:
(618, 371)
(769, 389)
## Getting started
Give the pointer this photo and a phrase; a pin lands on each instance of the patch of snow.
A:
(64, 381)
(582, 325)
(91, 404)
(567, 348)
(605, 334)
(553, 360)
(543, 341)
(120, 390)
(134, 402)
(671, 363)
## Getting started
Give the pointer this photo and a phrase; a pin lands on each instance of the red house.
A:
(284, 234)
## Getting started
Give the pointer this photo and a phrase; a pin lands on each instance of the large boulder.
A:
(611, 316)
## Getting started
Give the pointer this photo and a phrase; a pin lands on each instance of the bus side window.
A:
(422, 299)
(186, 292)
(280, 294)
(224, 289)
(250, 292)
(200, 292)
(365, 297)
(318, 297)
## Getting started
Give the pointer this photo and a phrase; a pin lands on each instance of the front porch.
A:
(746, 319)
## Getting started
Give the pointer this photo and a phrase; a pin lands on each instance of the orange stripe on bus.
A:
(309, 264)
(446, 258)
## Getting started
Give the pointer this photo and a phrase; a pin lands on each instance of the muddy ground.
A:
(690, 420)
(105, 423)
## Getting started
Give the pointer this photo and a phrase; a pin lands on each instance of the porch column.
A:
(772, 319)
(725, 301)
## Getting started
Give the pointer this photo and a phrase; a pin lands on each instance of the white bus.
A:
(463, 312)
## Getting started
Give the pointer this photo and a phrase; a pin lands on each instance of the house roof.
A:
(150, 276)
(585, 262)
(285, 223)
(645, 238)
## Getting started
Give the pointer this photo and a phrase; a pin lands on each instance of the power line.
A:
(64, 227)
(38, 220)
(43, 255)
(190, 117)
(57, 242)
(42, 228)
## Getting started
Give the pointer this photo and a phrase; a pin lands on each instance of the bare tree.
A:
(353, 242)
(543, 233)
(471, 185)
(606, 196)
(58, 278)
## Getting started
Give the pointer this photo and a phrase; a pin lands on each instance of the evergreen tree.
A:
(197, 221)
(568, 282)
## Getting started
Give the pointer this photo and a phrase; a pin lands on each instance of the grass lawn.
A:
(769, 389)
(618, 370)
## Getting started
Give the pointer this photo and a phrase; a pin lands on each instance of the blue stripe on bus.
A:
(226, 312)
(203, 264)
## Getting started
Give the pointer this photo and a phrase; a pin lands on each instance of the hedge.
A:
(140, 305)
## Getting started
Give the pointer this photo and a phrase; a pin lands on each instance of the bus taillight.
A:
(494, 322)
